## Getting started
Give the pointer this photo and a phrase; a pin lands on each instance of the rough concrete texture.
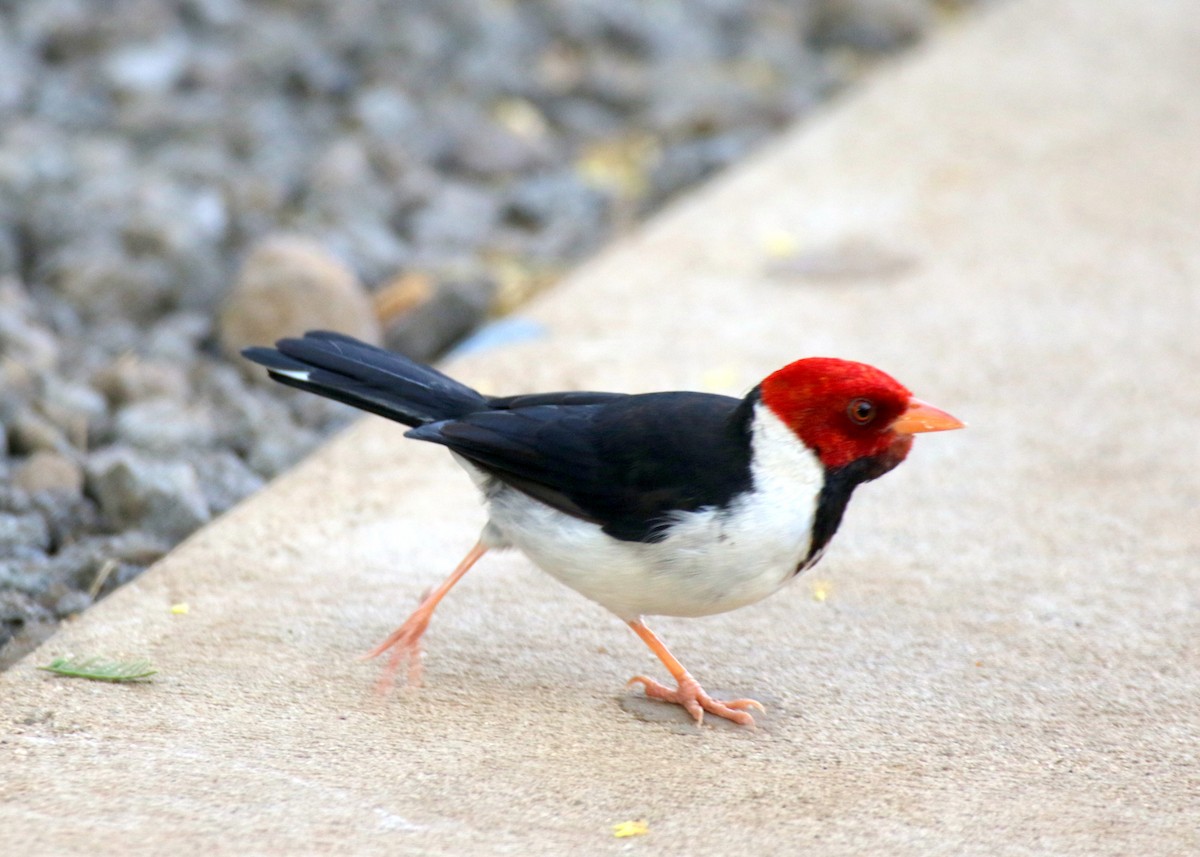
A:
(1007, 657)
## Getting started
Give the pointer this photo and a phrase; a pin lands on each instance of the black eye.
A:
(861, 411)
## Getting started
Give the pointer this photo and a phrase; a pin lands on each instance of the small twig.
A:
(102, 574)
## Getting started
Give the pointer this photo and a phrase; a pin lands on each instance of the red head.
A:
(844, 411)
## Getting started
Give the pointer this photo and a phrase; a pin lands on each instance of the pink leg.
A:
(405, 641)
(688, 691)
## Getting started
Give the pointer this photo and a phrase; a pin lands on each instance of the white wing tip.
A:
(298, 374)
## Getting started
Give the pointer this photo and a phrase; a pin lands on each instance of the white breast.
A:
(712, 561)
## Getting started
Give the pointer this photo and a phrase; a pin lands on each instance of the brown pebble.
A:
(49, 471)
(289, 285)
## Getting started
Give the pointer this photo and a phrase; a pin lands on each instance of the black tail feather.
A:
(355, 373)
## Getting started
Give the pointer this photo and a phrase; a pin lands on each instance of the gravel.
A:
(179, 178)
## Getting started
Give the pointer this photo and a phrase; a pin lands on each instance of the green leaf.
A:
(99, 669)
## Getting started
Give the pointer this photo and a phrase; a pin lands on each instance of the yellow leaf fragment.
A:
(821, 590)
(179, 609)
(620, 165)
(625, 829)
(780, 244)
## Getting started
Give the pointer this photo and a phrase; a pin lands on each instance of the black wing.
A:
(624, 462)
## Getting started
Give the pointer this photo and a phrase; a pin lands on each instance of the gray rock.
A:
(343, 167)
(225, 480)
(49, 472)
(378, 252)
(24, 574)
(10, 251)
(33, 155)
(15, 500)
(17, 387)
(388, 113)
(61, 320)
(181, 230)
(18, 614)
(275, 452)
(77, 565)
(72, 602)
(871, 25)
(321, 73)
(108, 339)
(63, 27)
(147, 68)
(68, 516)
(23, 535)
(72, 407)
(458, 217)
(482, 148)
(14, 297)
(454, 311)
(16, 607)
(164, 425)
(103, 282)
(321, 414)
(178, 337)
(162, 497)
(620, 23)
(218, 13)
(16, 73)
(691, 101)
(686, 164)
(130, 378)
(241, 413)
(22, 339)
(122, 574)
(564, 216)
(585, 117)
(30, 432)
(614, 82)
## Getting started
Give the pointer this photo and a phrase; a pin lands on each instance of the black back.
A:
(623, 462)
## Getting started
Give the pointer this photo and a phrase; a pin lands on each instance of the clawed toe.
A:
(405, 646)
(742, 704)
(688, 693)
(696, 702)
(405, 642)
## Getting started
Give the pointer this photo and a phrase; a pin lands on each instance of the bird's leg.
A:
(405, 641)
(688, 693)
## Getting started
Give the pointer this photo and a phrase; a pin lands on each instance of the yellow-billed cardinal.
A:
(676, 504)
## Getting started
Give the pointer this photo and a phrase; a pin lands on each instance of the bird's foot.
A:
(695, 701)
(405, 646)
(405, 641)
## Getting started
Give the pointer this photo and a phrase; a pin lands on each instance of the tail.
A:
(381, 382)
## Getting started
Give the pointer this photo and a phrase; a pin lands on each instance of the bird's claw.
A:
(405, 645)
(695, 701)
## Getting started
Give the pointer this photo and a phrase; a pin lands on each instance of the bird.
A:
(672, 503)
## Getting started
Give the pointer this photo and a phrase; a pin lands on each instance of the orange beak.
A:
(921, 416)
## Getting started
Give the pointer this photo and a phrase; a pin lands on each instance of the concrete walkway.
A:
(999, 656)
